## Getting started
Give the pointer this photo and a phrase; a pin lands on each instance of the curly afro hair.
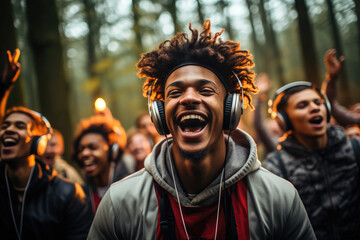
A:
(225, 58)
(109, 128)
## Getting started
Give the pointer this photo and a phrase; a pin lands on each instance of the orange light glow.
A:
(100, 105)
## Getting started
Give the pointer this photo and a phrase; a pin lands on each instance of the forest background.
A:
(73, 51)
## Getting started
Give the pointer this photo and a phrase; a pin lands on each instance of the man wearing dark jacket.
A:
(318, 159)
(34, 202)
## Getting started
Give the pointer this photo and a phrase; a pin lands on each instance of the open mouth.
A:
(9, 142)
(192, 123)
(316, 120)
(89, 165)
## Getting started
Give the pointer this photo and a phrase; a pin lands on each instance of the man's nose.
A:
(190, 97)
(315, 107)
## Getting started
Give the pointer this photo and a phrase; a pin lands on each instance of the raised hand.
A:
(332, 64)
(12, 68)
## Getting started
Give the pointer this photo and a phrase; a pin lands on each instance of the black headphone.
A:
(39, 143)
(282, 118)
(114, 149)
(233, 109)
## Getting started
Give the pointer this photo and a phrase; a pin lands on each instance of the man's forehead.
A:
(304, 95)
(18, 117)
(192, 73)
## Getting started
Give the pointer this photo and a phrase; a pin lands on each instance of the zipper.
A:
(18, 231)
(327, 184)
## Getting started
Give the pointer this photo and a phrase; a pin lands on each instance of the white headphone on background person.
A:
(39, 142)
(233, 109)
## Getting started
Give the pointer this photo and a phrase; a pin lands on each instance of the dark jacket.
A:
(52, 208)
(327, 182)
(119, 171)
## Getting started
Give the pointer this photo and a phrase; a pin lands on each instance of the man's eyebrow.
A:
(201, 81)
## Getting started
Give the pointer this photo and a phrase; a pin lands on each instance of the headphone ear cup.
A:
(157, 114)
(283, 121)
(114, 152)
(38, 145)
(232, 111)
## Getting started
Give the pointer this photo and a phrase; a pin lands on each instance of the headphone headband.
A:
(273, 103)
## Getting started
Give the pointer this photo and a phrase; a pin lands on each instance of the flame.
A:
(100, 105)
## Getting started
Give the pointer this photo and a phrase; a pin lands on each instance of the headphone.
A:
(282, 118)
(39, 143)
(114, 149)
(233, 109)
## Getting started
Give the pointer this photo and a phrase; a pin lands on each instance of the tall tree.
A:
(171, 7)
(200, 11)
(310, 60)
(8, 41)
(223, 6)
(92, 40)
(136, 27)
(273, 44)
(44, 39)
(357, 12)
(346, 97)
(258, 51)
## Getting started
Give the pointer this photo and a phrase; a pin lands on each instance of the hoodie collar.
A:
(241, 160)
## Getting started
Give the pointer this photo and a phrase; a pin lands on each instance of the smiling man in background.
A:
(318, 159)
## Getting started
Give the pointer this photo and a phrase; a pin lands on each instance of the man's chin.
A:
(193, 156)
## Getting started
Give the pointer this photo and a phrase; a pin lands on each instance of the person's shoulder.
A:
(264, 180)
(132, 184)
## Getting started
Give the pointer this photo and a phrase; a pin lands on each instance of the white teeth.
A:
(88, 162)
(192, 116)
(9, 140)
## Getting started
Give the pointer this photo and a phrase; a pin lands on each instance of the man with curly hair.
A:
(200, 183)
(98, 148)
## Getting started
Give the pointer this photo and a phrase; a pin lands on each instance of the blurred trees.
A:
(8, 41)
(94, 47)
(45, 43)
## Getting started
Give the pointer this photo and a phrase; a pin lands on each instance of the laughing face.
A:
(194, 101)
(307, 113)
(93, 154)
(53, 149)
(16, 136)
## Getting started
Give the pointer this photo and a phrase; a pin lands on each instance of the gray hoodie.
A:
(129, 210)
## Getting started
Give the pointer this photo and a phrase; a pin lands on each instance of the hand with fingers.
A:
(333, 64)
(12, 68)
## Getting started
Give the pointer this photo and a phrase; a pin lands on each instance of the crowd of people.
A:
(186, 170)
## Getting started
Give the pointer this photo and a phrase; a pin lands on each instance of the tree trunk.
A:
(171, 7)
(137, 28)
(258, 51)
(357, 12)
(92, 41)
(223, 6)
(8, 41)
(44, 38)
(276, 56)
(200, 12)
(312, 72)
(344, 86)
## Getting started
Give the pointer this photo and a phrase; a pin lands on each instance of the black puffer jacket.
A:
(53, 208)
(327, 182)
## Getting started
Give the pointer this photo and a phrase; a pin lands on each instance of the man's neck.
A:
(102, 180)
(19, 171)
(312, 143)
(196, 175)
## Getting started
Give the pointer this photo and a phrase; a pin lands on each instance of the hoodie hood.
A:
(241, 161)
